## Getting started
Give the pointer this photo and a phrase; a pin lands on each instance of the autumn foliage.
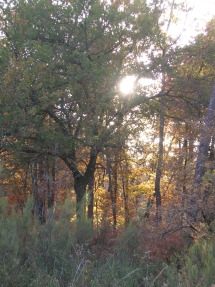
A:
(98, 188)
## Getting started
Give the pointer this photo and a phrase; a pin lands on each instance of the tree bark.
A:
(50, 181)
(80, 186)
(159, 162)
(39, 198)
(205, 141)
(184, 166)
(81, 180)
(125, 193)
(91, 199)
(112, 187)
(202, 158)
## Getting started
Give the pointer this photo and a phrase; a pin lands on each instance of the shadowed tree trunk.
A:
(82, 180)
(159, 163)
(80, 186)
(202, 159)
(91, 198)
(184, 166)
(39, 196)
(112, 186)
(50, 181)
(125, 177)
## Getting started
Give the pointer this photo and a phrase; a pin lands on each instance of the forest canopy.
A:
(65, 124)
(71, 136)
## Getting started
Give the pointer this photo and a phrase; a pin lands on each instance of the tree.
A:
(63, 63)
(160, 68)
(193, 82)
(202, 159)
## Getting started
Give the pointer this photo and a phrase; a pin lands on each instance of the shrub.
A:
(197, 268)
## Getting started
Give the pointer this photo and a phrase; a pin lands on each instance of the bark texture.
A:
(202, 158)
(205, 141)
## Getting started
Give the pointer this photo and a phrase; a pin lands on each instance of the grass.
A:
(48, 255)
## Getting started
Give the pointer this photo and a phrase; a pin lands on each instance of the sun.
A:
(126, 85)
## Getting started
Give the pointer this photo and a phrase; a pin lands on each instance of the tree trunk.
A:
(205, 141)
(80, 186)
(202, 158)
(50, 181)
(159, 162)
(114, 193)
(125, 193)
(39, 198)
(91, 198)
(184, 166)
(112, 187)
(81, 180)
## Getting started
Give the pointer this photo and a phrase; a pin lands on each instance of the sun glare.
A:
(126, 86)
(144, 82)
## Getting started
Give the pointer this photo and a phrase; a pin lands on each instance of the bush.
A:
(49, 255)
(40, 255)
(197, 267)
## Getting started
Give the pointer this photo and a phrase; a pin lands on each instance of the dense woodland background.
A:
(101, 187)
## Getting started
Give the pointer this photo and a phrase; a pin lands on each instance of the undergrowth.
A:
(48, 255)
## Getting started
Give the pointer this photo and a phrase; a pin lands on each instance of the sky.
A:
(202, 7)
(202, 11)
